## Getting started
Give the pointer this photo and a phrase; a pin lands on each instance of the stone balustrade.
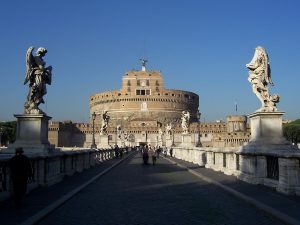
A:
(280, 171)
(51, 169)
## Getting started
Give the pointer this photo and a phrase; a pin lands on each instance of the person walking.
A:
(20, 171)
(152, 154)
(145, 151)
(171, 152)
(165, 150)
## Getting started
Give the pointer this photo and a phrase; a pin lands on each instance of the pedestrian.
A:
(20, 171)
(158, 151)
(145, 154)
(121, 152)
(171, 152)
(152, 154)
(117, 150)
(165, 150)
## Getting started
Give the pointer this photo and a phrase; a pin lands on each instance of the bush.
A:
(8, 132)
(291, 131)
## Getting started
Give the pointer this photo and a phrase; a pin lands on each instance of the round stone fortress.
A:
(143, 98)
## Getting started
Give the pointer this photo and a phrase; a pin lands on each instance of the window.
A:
(143, 92)
(128, 83)
(147, 83)
(138, 83)
(156, 83)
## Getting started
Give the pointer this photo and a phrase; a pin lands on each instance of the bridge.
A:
(124, 191)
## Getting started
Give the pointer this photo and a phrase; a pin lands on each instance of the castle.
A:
(140, 113)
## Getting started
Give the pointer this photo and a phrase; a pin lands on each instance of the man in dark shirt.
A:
(20, 171)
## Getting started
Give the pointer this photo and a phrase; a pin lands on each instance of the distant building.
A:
(139, 109)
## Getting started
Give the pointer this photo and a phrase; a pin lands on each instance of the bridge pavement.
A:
(135, 194)
(160, 194)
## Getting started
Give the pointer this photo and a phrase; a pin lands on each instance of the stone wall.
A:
(280, 171)
(48, 170)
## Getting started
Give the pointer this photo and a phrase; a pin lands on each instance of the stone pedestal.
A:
(32, 134)
(169, 142)
(266, 127)
(159, 143)
(120, 142)
(186, 140)
(266, 134)
(266, 149)
(103, 141)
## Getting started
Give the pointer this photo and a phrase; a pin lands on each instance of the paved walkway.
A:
(41, 198)
(135, 194)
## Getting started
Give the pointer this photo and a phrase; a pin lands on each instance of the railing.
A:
(278, 170)
(51, 169)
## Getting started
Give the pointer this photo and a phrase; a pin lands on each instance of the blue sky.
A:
(200, 46)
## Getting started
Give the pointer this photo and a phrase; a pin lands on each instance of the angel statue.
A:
(104, 123)
(185, 119)
(160, 134)
(38, 75)
(119, 131)
(260, 78)
(168, 129)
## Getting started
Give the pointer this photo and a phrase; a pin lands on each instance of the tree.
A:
(8, 132)
(291, 131)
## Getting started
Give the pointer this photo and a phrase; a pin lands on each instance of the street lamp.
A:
(93, 141)
(1, 132)
(199, 123)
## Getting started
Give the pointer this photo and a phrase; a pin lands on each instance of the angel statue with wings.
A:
(104, 123)
(37, 75)
(260, 78)
(185, 120)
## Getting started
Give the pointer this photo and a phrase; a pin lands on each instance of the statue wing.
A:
(29, 64)
(267, 69)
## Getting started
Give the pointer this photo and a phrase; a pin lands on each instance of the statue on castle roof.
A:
(260, 78)
(38, 75)
(143, 62)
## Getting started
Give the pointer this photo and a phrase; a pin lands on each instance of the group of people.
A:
(120, 151)
(148, 151)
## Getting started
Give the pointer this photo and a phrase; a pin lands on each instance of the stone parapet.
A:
(279, 170)
(51, 169)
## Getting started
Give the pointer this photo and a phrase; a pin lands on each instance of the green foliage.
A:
(8, 132)
(296, 121)
(291, 131)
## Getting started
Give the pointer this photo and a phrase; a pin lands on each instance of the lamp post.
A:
(199, 123)
(1, 132)
(93, 141)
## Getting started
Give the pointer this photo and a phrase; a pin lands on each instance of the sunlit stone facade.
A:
(143, 95)
(141, 109)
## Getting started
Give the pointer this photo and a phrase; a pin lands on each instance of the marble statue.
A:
(168, 129)
(185, 119)
(119, 131)
(260, 78)
(160, 134)
(37, 75)
(104, 123)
